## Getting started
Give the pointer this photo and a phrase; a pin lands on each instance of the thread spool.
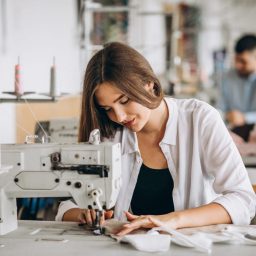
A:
(17, 76)
(53, 92)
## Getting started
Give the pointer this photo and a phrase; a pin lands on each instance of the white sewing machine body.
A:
(91, 174)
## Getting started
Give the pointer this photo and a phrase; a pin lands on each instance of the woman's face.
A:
(120, 109)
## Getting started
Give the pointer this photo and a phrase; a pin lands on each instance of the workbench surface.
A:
(46, 238)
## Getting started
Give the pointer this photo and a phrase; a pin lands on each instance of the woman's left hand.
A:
(147, 221)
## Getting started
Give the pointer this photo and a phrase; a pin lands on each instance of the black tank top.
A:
(153, 192)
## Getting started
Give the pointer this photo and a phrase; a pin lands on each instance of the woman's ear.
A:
(150, 87)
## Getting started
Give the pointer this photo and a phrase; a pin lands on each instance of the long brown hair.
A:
(125, 68)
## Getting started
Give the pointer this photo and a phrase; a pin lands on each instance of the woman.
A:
(180, 166)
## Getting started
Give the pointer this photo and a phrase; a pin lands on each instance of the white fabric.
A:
(199, 238)
(202, 158)
(201, 241)
(152, 241)
(197, 241)
(140, 239)
(148, 243)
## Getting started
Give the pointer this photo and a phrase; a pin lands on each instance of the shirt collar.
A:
(170, 134)
(129, 141)
(129, 138)
(252, 77)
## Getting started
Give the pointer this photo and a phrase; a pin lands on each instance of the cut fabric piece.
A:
(199, 238)
(149, 243)
(113, 226)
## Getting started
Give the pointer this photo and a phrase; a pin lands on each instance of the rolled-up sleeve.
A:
(223, 161)
(63, 207)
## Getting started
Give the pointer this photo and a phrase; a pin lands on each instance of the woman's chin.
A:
(135, 128)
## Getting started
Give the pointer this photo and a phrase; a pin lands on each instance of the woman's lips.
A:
(130, 123)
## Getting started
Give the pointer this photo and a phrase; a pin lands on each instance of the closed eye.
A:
(106, 109)
(124, 100)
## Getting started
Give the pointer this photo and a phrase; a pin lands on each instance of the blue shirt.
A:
(238, 93)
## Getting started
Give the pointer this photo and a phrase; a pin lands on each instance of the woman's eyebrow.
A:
(118, 98)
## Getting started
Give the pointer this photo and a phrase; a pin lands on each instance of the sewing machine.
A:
(64, 130)
(90, 173)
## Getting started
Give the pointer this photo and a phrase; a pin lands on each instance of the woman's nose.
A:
(120, 116)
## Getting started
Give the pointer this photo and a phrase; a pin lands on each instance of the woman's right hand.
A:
(86, 216)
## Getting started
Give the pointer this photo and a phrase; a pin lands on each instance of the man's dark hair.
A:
(246, 43)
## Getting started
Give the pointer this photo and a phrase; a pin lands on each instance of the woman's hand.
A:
(148, 221)
(85, 216)
(89, 216)
(209, 214)
(235, 118)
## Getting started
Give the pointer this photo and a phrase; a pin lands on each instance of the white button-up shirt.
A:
(202, 158)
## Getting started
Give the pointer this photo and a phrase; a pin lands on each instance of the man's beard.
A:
(244, 74)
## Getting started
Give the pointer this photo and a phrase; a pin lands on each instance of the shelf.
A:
(109, 9)
(31, 97)
(95, 47)
(23, 100)
(156, 13)
(4, 98)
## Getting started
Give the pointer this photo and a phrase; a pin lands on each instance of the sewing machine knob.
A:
(78, 185)
(55, 157)
(16, 180)
(57, 180)
(68, 183)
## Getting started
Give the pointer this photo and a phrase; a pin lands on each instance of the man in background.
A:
(238, 87)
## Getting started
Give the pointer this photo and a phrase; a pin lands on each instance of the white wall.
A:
(37, 30)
